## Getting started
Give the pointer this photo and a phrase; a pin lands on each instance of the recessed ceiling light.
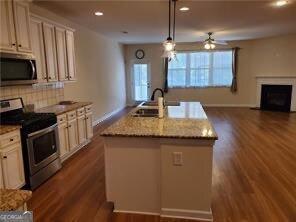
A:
(99, 13)
(281, 3)
(184, 9)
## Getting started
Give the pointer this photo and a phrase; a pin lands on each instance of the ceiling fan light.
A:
(212, 46)
(281, 3)
(207, 46)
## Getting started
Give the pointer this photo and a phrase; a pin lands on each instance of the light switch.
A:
(177, 158)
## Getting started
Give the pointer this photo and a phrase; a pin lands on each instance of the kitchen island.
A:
(161, 166)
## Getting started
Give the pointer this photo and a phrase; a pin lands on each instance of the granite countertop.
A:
(60, 109)
(8, 128)
(13, 199)
(187, 121)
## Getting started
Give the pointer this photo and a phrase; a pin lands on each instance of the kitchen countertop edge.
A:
(8, 128)
(61, 109)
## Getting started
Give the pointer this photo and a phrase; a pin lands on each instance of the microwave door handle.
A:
(33, 70)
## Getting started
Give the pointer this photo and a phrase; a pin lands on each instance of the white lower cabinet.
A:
(72, 133)
(75, 129)
(13, 176)
(89, 127)
(63, 137)
(81, 126)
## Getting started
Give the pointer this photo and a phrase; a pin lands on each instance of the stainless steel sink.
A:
(146, 113)
(166, 103)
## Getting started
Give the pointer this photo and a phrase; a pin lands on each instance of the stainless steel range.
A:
(39, 135)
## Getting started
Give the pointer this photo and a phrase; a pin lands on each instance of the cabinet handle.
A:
(4, 157)
(49, 77)
(13, 44)
(69, 126)
(20, 45)
(11, 139)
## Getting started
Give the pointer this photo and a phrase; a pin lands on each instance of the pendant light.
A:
(169, 44)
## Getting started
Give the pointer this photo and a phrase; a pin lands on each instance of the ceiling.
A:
(147, 21)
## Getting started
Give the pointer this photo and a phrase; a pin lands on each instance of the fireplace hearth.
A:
(276, 97)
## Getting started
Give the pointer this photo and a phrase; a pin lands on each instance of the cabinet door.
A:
(81, 129)
(63, 137)
(72, 133)
(7, 34)
(50, 51)
(89, 127)
(12, 166)
(71, 55)
(38, 48)
(61, 53)
(22, 26)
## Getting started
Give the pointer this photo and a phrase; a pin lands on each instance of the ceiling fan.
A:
(210, 42)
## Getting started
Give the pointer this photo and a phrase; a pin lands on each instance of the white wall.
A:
(100, 68)
(270, 56)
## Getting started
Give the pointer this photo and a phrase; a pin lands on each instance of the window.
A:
(201, 69)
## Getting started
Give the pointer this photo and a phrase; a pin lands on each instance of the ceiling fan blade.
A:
(220, 42)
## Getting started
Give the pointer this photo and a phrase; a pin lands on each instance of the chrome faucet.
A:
(154, 91)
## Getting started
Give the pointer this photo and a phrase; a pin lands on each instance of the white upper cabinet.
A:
(22, 26)
(38, 48)
(61, 53)
(7, 33)
(50, 51)
(71, 54)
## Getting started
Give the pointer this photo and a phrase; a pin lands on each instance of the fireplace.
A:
(276, 97)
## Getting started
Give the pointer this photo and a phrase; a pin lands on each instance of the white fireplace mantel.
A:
(276, 80)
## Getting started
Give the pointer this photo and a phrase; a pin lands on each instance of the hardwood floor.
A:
(254, 176)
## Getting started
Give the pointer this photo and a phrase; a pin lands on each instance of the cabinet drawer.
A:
(62, 119)
(71, 115)
(9, 138)
(80, 112)
(88, 108)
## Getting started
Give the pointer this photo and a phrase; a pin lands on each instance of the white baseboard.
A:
(135, 212)
(175, 213)
(187, 214)
(107, 116)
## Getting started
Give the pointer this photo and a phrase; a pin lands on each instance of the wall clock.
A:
(140, 54)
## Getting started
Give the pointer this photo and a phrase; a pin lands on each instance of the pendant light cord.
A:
(169, 18)
(174, 22)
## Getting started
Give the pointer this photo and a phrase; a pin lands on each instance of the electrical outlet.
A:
(177, 158)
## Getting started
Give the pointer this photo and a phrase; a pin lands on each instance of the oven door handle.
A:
(33, 70)
(43, 130)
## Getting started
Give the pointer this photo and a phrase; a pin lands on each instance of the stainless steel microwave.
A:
(17, 69)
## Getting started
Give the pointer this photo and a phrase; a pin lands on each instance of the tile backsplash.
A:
(39, 95)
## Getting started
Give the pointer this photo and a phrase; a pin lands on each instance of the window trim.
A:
(187, 79)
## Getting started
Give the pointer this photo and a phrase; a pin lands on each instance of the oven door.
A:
(43, 148)
(17, 69)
